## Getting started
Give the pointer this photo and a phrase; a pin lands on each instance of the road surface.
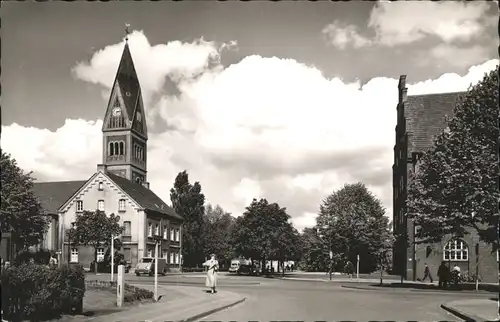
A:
(317, 300)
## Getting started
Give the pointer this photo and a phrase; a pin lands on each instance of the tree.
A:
(313, 258)
(455, 187)
(257, 231)
(94, 229)
(352, 222)
(384, 255)
(218, 226)
(287, 244)
(189, 202)
(21, 213)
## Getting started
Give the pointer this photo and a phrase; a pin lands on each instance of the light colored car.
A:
(235, 265)
(147, 266)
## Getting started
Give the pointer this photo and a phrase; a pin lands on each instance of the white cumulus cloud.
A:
(262, 127)
(404, 22)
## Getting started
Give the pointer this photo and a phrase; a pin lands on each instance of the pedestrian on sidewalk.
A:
(213, 267)
(427, 273)
(443, 274)
(349, 269)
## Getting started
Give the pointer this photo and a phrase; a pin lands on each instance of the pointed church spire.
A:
(124, 127)
(127, 79)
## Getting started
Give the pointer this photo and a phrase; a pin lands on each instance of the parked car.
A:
(147, 266)
(248, 269)
(235, 265)
(105, 267)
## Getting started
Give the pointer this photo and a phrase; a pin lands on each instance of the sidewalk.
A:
(193, 304)
(338, 279)
(473, 309)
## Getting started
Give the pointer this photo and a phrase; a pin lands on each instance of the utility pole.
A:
(331, 258)
(112, 258)
(357, 268)
(156, 271)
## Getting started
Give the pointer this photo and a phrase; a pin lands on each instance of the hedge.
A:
(193, 269)
(36, 292)
(132, 293)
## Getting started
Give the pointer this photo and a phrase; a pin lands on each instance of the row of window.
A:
(127, 225)
(174, 256)
(116, 148)
(456, 250)
(175, 233)
(116, 121)
(122, 203)
(138, 152)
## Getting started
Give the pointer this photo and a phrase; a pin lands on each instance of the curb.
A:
(184, 283)
(377, 288)
(359, 288)
(212, 311)
(460, 314)
(304, 279)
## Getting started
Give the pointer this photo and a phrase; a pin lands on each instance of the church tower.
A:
(124, 127)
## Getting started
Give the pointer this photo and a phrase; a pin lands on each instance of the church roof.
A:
(52, 195)
(146, 198)
(127, 80)
(426, 117)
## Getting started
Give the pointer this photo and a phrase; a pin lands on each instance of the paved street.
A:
(315, 300)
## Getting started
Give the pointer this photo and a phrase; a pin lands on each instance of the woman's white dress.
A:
(213, 266)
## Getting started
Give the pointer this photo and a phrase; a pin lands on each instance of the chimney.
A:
(102, 167)
(146, 185)
(403, 91)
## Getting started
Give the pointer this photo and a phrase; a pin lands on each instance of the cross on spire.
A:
(127, 31)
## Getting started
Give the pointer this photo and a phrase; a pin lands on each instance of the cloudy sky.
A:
(283, 100)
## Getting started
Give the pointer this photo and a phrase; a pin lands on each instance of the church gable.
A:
(99, 186)
(117, 116)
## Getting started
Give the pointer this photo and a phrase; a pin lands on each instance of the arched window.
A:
(456, 250)
(121, 148)
(111, 148)
(116, 148)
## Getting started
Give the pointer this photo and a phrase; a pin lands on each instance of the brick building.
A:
(419, 119)
(119, 186)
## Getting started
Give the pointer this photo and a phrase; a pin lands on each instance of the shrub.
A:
(132, 293)
(193, 269)
(41, 256)
(33, 291)
(137, 294)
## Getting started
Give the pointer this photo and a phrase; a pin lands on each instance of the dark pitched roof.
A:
(143, 196)
(426, 117)
(128, 81)
(52, 195)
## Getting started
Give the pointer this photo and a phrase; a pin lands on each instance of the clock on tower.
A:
(117, 111)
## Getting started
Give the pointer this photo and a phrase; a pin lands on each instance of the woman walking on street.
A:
(213, 267)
